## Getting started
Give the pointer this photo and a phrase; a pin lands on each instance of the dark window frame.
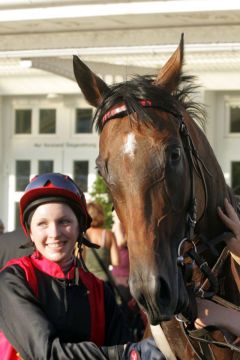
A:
(40, 163)
(81, 179)
(234, 119)
(84, 125)
(43, 122)
(19, 122)
(22, 179)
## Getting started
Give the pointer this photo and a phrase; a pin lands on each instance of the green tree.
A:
(100, 195)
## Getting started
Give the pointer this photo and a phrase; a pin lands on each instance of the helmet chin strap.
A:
(82, 240)
(88, 243)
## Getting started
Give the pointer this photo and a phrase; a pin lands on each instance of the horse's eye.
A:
(175, 154)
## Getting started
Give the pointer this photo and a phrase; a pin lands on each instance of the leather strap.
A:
(235, 273)
(204, 336)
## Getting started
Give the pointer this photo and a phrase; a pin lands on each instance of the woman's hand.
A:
(210, 313)
(231, 220)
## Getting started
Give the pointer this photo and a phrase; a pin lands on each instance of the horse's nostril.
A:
(163, 292)
(155, 295)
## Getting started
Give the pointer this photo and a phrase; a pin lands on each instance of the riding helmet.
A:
(53, 187)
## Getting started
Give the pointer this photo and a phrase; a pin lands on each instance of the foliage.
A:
(100, 195)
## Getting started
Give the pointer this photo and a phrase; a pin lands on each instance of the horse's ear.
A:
(92, 86)
(169, 76)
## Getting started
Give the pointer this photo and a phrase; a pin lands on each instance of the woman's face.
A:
(54, 229)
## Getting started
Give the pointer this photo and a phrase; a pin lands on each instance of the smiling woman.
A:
(54, 230)
(65, 310)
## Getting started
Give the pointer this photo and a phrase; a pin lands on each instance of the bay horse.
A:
(166, 184)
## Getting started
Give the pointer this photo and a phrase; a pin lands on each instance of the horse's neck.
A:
(217, 189)
(211, 226)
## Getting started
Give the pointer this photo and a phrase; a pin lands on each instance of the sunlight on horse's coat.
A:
(130, 145)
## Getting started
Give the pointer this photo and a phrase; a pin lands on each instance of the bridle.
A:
(194, 253)
(196, 167)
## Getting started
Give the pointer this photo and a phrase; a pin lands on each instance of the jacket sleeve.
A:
(27, 328)
(117, 331)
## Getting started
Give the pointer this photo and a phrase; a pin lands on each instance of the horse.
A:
(166, 184)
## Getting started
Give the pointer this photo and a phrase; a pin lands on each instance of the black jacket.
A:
(55, 324)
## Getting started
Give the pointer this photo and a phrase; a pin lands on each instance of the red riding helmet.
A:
(53, 187)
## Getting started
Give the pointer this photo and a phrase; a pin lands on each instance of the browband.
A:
(122, 109)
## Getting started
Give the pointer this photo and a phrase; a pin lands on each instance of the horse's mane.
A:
(143, 87)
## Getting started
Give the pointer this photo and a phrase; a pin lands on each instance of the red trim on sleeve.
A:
(7, 351)
(97, 307)
(26, 264)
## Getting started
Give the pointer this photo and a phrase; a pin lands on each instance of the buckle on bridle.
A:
(191, 221)
(180, 258)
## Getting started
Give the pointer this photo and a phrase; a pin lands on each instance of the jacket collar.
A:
(51, 268)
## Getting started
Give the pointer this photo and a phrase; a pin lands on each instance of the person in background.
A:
(51, 308)
(14, 244)
(99, 260)
(136, 318)
(209, 312)
(120, 273)
(2, 228)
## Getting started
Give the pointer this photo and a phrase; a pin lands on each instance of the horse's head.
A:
(146, 158)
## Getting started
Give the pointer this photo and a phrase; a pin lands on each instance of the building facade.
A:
(45, 122)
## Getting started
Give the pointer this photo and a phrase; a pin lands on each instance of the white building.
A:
(44, 120)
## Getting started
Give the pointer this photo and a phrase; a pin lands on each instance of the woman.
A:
(210, 313)
(50, 307)
(98, 261)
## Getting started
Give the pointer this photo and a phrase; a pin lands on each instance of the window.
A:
(80, 174)
(235, 171)
(83, 122)
(22, 174)
(17, 215)
(47, 121)
(45, 166)
(235, 119)
(23, 121)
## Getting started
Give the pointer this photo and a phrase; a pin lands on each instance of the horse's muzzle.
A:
(160, 299)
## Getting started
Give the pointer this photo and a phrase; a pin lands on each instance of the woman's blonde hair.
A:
(96, 212)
